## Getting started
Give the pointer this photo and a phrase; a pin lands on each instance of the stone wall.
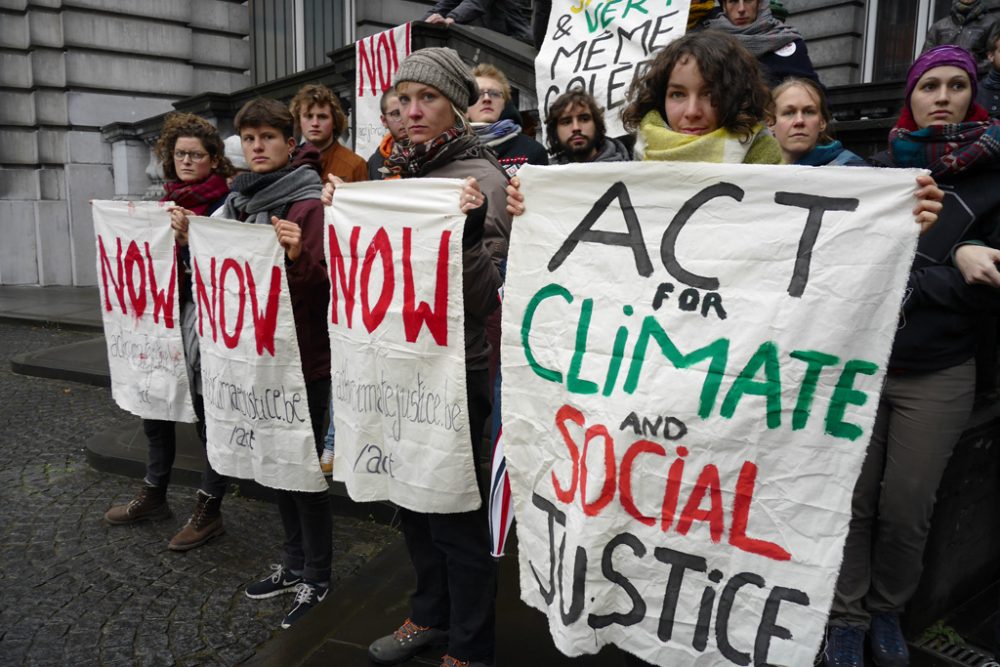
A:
(69, 67)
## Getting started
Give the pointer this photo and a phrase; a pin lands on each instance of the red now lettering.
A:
(708, 483)
(212, 305)
(372, 317)
(339, 269)
(130, 275)
(377, 60)
(436, 320)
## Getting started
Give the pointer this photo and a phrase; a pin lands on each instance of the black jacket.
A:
(790, 60)
(937, 328)
(518, 151)
(508, 17)
(970, 35)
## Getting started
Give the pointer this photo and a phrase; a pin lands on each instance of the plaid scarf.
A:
(946, 149)
(199, 196)
(962, 13)
(456, 143)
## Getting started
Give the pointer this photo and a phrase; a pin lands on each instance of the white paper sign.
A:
(397, 339)
(599, 45)
(138, 279)
(377, 57)
(692, 360)
(256, 410)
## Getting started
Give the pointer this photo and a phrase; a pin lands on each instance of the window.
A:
(288, 36)
(895, 34)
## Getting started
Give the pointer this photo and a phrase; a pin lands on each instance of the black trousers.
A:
(456, 576)
(307, 517)
(163, 450)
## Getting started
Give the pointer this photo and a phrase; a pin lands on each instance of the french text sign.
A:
(378, 57)
(600, 45)
(397, 339)
(137, 273)
(256, 410)
(692, 360)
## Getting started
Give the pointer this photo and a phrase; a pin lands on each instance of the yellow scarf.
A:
(659, 142)
(699, 10)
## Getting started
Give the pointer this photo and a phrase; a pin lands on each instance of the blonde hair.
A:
(811, 87)
(488, 71)
(316, 94)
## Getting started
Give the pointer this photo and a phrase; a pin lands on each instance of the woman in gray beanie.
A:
(454, 602)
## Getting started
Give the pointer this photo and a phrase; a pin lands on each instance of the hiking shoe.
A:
(326, 462)
(307, 596)
(844, 646)
(887, 642)
(204, 524)
(408, 640)
(449, 661)
(150, 504)
(282, 581)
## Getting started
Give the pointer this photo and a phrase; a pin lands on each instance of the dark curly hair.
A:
(573, 98)
(316, 94)
(179, 125)
(737, 88)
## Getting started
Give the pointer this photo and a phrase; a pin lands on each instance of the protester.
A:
(967, 25)
(507, 17)
(928, 391)
(801, 124)
(321, 121)
(989, 84)
(283, 189)
(575, 131)
(454, 602)
(193, 159)
(504, 136)
(234, 153)
(392, 121)
(780, 49)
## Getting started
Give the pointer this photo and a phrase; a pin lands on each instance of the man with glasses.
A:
(392, 121)
(499, 127)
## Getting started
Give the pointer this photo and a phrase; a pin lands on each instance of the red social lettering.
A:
(163, 300)
(608, 490)
(672, 490)
(229, 265)
(568, 413)
(338, 268)
(436, 320)
(741, 516)
(625, 479)
(708, 481)
(372, 317)
(264, 323)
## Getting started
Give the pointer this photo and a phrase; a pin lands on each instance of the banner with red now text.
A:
(692, 360)
(378, 57)
(601, 46)
(137, 272)
(256, 410)
(397, 341)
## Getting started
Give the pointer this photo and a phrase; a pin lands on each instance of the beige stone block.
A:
(219, 81)
(220, 50)
(133, 74)
(15, 70)
(13, 30)
(18, 146)
(50, 107)
(99, 109)
(48, 68)
(171, 10)
(131, 35)
(87, 147)
(221, 15)
(19, 251)
(19, 183)
(52, 183)
(83, 183)
(46, 29)
(51, 146)
(55, 252)
(17, 108)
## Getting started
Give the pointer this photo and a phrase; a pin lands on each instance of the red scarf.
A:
(199, 196)
(946, 149)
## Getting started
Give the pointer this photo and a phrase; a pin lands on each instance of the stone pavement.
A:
(76, 591)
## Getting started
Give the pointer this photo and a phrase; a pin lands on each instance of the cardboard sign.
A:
(377, 57)
(397, 339)
(256, 410)
(600, 46)
(692, 360)
(138, 272)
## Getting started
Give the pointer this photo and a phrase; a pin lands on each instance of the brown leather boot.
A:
(150, 504)
(204, 524)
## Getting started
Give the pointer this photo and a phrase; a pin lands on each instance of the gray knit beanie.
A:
(441, 68)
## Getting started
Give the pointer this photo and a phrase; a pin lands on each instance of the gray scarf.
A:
(765, 35)
(275, 198)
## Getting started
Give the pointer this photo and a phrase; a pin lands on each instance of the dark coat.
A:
(970, 35)
(508, 17)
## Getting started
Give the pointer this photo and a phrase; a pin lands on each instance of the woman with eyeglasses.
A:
(193, 158)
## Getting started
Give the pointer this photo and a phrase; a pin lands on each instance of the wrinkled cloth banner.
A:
(377, 57)
(599, 46)
(137, 273)
(692, 360)
(397, 344)
(256, 411)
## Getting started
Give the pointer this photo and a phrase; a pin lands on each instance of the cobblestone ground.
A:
(76, 591)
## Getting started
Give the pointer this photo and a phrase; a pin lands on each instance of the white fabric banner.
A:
(256, 410)
(137, 273)
(692, 360)
(397, 339)
(598, 46)
(377, 58)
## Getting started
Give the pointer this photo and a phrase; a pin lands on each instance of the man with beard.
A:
(574, 131)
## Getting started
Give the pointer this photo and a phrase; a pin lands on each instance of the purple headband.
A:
(941, 56)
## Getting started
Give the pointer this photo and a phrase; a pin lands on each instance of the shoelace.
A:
(409, 629)
(139, 499)
(279, 571)
(303, 594)
(448, 661)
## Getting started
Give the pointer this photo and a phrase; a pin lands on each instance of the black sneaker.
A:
(845, 646)
(888, 644)
(282, 581)
(307, 597)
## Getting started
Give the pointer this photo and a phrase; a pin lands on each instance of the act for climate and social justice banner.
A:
(378, 57)
(600, 45)
(397, 343)
(692, 360)
(137, 273)
(256, 409)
